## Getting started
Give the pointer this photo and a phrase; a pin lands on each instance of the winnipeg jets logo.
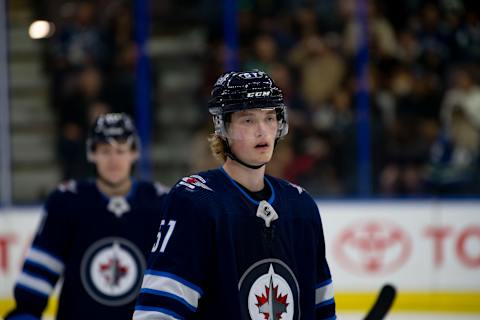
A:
(270, 298)
(194, 181)
(111, 271)
(272, 304)
(269, 290)
(118, 205)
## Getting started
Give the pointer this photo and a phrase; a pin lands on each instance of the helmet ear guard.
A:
(220, 128)
(282, 118)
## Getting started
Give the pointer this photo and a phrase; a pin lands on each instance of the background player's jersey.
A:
(214, 258)
(98, 244)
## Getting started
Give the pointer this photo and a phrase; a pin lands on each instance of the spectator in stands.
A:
(455, 158)
(464, 94)
(321, 69)
(74, 117)
(264, 54)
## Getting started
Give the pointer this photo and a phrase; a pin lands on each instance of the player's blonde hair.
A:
(218, 146)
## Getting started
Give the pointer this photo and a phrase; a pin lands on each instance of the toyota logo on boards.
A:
(372, 247)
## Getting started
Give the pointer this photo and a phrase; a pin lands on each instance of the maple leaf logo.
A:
(271, 304)
(113, 271)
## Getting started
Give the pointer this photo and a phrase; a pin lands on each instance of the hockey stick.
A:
(383, 303)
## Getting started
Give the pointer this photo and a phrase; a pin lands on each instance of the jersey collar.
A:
(270, 200)
(128, 196)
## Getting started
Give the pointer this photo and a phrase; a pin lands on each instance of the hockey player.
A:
(235, 243)
(95, 234)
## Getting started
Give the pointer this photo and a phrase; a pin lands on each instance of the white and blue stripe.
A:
(45, 260)
(154, 313)
(324, 293)
(169, 285)
(35, 284)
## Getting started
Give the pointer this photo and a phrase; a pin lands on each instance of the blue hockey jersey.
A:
(97, 244)
(220, 254)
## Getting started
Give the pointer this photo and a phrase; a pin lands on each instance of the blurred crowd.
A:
(423, 76)
(423, 86)
(91, 62)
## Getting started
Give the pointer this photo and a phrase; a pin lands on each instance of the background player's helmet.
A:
(237, 91)
(112, 128)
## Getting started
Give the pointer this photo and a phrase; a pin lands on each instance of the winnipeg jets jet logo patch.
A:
(112, 271)
(194, 181)
(271, 292)
(266, 212)
(269, 301)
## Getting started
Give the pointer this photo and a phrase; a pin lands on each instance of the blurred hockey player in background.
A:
(95, 234)
(235, 243)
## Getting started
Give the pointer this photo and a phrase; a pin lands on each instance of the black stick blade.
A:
(383, 303)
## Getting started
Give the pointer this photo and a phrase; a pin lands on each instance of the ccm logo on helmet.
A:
(258, 94)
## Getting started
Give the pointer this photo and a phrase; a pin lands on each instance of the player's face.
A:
(114, 161)
(252, 135)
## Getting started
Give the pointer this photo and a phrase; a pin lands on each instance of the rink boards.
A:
(429, 250)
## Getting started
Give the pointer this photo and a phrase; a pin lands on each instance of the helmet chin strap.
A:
(230, 154)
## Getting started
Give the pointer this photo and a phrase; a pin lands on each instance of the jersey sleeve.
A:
(324, 295)
(175, 278)
(44, 262)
